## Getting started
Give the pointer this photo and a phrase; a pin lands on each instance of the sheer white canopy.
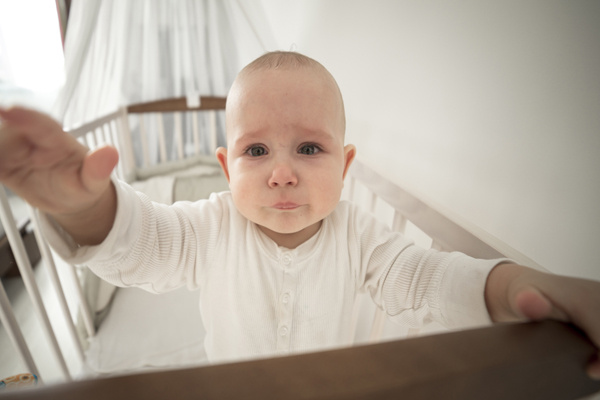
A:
(124, 52)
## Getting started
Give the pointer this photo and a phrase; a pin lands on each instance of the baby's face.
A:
(286, 159)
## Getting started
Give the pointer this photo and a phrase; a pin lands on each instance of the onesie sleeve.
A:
(425, 285)
(415, 286)
(153, 246)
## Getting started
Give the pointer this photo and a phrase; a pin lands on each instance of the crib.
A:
(166, 147)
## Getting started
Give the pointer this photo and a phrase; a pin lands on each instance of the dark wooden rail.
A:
(516, 361)
(178, 104)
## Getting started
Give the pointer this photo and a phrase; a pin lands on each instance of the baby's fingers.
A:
(36, 126)
(533, 305)
(97, 167)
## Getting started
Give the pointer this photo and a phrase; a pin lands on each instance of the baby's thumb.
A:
(97, 167)
(535, 306)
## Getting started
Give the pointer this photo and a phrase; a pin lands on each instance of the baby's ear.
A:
(221, 154)
(349, 154)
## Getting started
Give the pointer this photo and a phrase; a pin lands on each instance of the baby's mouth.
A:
(286, 205)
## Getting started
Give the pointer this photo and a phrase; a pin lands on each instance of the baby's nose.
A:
(283, 175)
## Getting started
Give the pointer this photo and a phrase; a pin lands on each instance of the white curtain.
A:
(124, 52)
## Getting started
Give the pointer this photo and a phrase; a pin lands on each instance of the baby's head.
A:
(285, 159)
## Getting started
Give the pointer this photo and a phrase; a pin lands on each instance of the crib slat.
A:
(196, 133)
(99, 135)
(85, 128)
(26, 271)
(162, 144)
(55, 280)
(179, 136)
(125, 145)
(107, 136)
(144, 142)
(436, 245)
(399, 222)
(7, 317)
(212, 119)
(90, 140)
(114, 141)
(84, 308)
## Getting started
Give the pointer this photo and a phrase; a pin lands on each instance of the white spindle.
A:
(162, 145)
(90, 140)
(212, 120)
(114, 141)
(436, 245)
(399, 222)
(55, 280)
(196, 133)
(99, 135)
(144, 141)
(107, 135)
(125, 145)
(178, 136)
(84, 308)
(7, 317)
(18, 249)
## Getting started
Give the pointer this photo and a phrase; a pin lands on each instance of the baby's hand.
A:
(533, 295)
(50, 169)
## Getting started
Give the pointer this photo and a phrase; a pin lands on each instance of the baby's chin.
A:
(285, 230)
(290, 234)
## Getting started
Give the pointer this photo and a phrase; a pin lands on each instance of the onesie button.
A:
(285, 298)
(286, 259)
(283, 331)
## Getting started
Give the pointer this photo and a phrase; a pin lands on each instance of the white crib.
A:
(185, 141)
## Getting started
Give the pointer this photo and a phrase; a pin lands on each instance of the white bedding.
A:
(192, 183)
(141, 332)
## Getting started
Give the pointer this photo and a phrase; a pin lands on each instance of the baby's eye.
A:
(256, 151)
(309, 149)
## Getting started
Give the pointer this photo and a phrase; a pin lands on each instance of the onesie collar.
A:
(300, 253)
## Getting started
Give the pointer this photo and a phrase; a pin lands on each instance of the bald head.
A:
(286, 61)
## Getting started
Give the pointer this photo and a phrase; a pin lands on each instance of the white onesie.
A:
(258, 299)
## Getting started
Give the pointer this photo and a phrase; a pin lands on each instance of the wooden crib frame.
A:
(378, 194)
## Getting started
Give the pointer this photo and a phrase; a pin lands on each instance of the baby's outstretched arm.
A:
(54, 172)
(514, 292)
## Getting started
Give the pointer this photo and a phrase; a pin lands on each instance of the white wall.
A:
(489, 109)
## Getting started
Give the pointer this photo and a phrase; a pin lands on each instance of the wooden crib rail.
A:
(116, 129)
(515, 361)
(446, 233)
(178, 104)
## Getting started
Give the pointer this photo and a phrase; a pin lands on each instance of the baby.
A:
(279, 260)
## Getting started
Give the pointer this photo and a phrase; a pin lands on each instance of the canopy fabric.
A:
(125, 52)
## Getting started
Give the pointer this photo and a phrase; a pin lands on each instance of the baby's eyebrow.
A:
(326, 139)
(319, 134)
(245, 138)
